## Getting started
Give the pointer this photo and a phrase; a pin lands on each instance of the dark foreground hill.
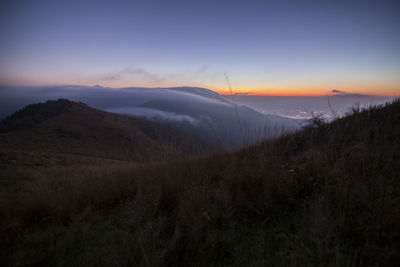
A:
(73, 128)
(325, 196)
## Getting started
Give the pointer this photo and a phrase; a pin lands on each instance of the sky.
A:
(265, 47)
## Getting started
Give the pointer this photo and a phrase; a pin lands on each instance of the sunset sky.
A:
(265, 47)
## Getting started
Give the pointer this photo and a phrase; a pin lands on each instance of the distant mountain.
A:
(200, 111)
(207, 114)
(64, 126)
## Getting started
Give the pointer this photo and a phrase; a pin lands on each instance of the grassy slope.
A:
(74, 128)
(325, 196)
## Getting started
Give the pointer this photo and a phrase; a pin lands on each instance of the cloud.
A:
(338, 92)
(137, 73)
(203, 69)
(244, 93)
(110, 78)
(130, 75)
(155, 114)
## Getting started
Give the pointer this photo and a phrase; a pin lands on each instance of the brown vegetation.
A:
(324, 196)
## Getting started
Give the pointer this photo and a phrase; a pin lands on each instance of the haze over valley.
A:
(211, 116)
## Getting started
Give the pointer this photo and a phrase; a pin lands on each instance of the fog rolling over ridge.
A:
(203, 112)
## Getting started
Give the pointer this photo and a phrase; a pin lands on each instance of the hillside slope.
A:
(69, 127)
(324, 196)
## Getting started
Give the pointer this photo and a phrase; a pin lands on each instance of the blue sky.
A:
(266, 47)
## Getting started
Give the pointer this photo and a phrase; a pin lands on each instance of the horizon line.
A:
(239, 92)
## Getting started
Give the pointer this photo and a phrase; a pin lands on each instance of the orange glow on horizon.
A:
(311, 93)
(388, 90)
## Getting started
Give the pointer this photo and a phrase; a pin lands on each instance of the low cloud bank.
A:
(154, 114)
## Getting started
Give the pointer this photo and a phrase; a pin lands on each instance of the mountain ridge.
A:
(74, 127)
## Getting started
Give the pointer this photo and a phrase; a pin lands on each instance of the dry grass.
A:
(325, 196)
